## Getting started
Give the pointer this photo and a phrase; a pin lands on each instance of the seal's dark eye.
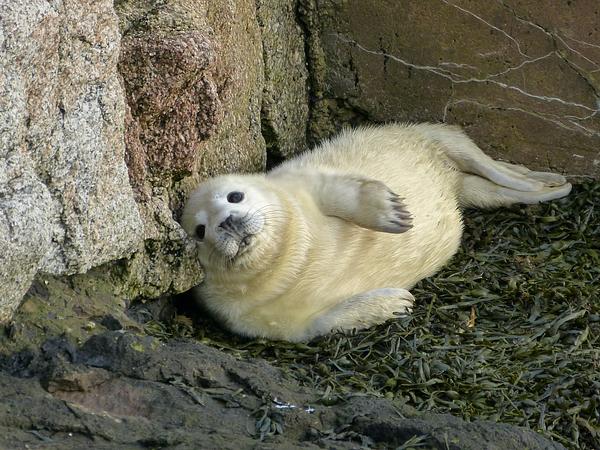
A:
(235, 197)
(200, 230)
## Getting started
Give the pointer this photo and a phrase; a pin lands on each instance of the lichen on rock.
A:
(284, 112)
(173, 101)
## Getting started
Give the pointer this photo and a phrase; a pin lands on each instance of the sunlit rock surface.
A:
(66, 204)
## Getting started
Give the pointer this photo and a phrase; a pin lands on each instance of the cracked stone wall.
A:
(520, 76)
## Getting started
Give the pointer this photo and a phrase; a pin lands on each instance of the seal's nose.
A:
(227, 223)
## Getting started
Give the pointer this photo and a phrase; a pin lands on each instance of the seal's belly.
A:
(346, 260)
(352, 261)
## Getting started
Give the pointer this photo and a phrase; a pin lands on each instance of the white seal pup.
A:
(334, 238)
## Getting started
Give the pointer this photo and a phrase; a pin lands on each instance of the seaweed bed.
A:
(508, 331)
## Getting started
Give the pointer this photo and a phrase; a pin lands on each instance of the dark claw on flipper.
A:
(401, 217)
(397, 200)
(400, 227)
(401, 211)
(403, 214)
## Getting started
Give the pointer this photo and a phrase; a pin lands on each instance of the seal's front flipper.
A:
(363, 311)
(380, 209)
(365, 202)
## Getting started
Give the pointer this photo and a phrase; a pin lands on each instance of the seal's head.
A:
(229, 217)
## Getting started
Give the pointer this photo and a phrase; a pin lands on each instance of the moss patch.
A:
(509, 331)
(77, 307)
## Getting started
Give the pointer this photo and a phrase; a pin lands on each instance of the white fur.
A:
(331, 245)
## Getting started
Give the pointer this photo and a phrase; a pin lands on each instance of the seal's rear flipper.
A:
(481, 193)
(549, 179)
(470, 159)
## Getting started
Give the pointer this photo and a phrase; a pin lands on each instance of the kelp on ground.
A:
(508, 331)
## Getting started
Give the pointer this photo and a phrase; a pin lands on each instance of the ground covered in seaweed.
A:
(509, 331)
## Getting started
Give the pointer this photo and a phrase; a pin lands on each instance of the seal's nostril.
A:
(227, 223)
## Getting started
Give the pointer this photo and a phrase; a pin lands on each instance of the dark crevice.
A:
(386, 58)
(266, 128)
(578, 72)
(274, 155)
(306, 17)
(271, 142)
(273, 160)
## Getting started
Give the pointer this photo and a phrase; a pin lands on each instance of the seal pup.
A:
(335, 237)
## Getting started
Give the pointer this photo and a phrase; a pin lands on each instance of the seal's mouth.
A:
(244, 245)
(236, 237)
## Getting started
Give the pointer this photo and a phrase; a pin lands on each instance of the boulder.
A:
(66, 202)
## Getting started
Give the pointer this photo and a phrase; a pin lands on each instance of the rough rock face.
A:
(285, 95)
(173, 102)
(66, 202)
(99, 98)
(123, 391)
(193, 90)
(520, 76)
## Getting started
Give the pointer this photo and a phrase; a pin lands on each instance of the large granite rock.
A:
(66, 204)
(519, 76)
